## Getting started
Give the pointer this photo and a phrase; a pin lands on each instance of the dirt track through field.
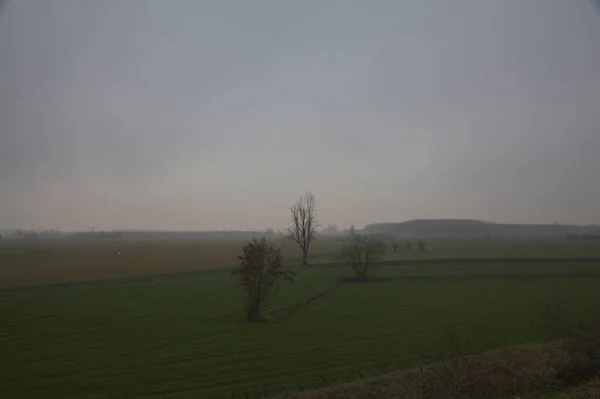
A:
(298, 306)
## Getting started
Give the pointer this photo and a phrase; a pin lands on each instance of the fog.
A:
(214, 115)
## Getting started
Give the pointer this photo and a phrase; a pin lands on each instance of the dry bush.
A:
(583, 350)
(491, 375)
(590, 390)
(540, 369)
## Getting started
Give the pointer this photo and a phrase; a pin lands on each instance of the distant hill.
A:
(475, 228)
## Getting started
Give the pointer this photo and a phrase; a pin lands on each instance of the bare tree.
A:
(261, 269)
(303, 224)
(360, 251)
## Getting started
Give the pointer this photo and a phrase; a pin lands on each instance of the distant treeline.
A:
(477, 228)
(142, 235)
(97, 234)
(34, 235)
(585, 237)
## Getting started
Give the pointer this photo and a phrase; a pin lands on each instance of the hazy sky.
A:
(215, 114)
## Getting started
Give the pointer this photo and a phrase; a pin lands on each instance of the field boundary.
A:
(285, 311)
(120, 280)
(459, 277)
(458, 261)
(217, 271)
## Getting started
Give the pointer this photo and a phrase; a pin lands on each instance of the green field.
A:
(181, 336)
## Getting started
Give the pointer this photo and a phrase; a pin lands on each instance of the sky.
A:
(203, 115)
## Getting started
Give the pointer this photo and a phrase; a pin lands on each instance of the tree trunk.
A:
(361, 275)
(254, 315)
(304, 258)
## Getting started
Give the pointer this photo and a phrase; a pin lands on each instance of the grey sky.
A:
(214, 114)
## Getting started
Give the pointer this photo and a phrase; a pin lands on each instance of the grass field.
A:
(182, 336)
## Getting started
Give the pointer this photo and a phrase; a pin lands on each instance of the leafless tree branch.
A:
(303, 224)
(360, 251)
